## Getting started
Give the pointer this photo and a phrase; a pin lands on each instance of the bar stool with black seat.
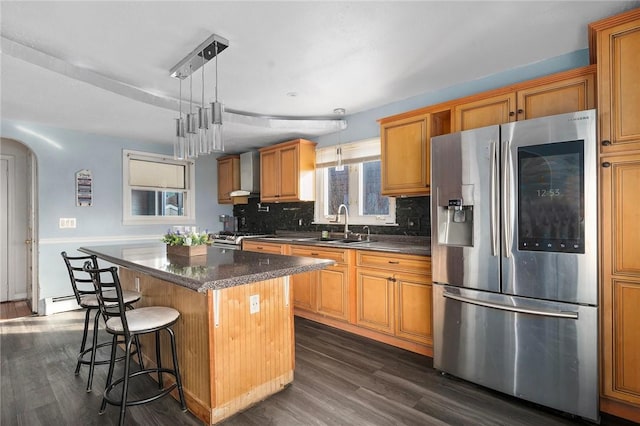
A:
(128, 325)
(85, 295)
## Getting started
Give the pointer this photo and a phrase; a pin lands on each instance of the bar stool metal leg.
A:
(129, 325)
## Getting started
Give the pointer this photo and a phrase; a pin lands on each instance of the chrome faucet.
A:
(368, 232)
(346, 219)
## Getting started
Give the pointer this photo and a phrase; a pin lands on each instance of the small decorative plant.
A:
(178, 238)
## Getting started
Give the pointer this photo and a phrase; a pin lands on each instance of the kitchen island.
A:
(235, 335)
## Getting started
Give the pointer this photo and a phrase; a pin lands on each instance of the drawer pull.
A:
(394, 262)
(315, 254)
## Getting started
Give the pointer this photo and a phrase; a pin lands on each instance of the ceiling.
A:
(103, 67)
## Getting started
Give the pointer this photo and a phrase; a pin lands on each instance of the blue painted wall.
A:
(60, 154)
(66, 152)
(363, 125)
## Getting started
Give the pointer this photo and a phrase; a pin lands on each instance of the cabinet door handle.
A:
(394, 262)
(520, 111)
(393, 280)
(606, 164)
(511, 113)
(606, 143)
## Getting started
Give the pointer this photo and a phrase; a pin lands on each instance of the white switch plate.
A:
(67, 222)
(254, 303)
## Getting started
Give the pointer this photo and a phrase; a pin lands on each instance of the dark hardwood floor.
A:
(15, 309)
(340, 379)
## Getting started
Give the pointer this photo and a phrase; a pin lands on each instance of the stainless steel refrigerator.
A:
(514, 255)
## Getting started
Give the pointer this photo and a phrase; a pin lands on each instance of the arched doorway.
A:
(18, 250)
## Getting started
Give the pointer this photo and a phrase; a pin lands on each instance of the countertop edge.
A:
(202, 287)
(385, 247)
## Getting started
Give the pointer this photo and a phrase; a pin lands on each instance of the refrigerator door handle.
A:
(495, 201)
(555, 314)
(506, 200)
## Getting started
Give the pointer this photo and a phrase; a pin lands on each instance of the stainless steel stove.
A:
(231, 238)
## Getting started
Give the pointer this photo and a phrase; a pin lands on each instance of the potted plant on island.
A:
(186, 243)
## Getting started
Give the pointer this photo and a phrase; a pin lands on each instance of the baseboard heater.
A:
(53, 305)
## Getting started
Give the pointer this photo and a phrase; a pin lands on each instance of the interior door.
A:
(4, 229)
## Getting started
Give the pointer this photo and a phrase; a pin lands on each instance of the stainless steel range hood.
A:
(249, 175)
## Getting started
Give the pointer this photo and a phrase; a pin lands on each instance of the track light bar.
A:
(194, 60)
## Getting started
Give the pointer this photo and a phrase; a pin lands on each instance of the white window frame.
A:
(354, 154)
(189, 216)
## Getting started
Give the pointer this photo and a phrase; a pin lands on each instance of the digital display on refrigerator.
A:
(551, 197)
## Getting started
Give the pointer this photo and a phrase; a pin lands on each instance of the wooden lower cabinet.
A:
(325, 292)
(394, 295)
(333, 292)
(382, 296)
(304, 291)
(260, 247)
(620, 287)
(413, 308)
(375, 300)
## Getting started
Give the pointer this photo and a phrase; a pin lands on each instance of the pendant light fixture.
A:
(215, 141)
(179, 147)
(194, 135)
(192, 128)
(339, 165)
(203, 119)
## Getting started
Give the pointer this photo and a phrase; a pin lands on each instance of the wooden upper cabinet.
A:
(228, 177)
(485, 112)
(287, 171)
(405, 156)
(406, 151)
(570, 95)
(568, 91)
(617, 47)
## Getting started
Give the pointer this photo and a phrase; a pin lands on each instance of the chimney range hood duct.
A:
(249, 175)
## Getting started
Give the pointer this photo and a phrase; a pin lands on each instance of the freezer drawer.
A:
(544, 352)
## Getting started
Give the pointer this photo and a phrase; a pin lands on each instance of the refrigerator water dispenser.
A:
(455, 224)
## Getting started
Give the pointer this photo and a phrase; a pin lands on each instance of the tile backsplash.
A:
(412, 217)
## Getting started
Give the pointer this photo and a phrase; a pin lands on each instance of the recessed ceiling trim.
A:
(51, 63)
(36, 57)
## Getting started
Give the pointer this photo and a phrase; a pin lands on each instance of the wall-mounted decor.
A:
(84, 188)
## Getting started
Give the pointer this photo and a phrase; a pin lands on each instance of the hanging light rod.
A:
(194, 60)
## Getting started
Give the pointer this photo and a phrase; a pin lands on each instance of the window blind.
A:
(156, 175)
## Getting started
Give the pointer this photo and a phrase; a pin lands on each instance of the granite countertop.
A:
(401, 244)
(220, 268)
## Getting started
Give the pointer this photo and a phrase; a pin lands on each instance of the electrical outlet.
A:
(67, 222)
(254, 303)
(137, 284)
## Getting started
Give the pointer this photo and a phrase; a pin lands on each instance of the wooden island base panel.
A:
(229, 358)
(234, 336)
